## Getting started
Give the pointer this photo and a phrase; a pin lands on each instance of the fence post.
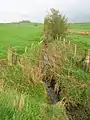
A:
(69, 47)
(69, 42)
(75, 50)
(60, 38)
(57, 37)
(86, 61)
(21, 62)
(26, 49)
(9, 56)
(14, 56)
(64, 42)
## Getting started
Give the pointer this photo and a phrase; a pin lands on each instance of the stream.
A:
(51, 93)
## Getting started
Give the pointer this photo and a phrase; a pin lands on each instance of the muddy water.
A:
(49, 83)
(74, 112)
(52, 95)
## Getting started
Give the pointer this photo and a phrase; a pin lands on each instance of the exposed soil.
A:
(77, 112)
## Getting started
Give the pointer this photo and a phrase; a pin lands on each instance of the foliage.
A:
(25, 21)
(55, 25)
(74, 81)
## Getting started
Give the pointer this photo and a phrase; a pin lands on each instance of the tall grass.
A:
(23, 95)
(63, 66)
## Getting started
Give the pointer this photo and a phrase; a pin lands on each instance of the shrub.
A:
(55, 25)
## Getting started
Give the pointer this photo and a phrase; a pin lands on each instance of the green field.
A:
(18, 36)
(80, 26)
(82, 40)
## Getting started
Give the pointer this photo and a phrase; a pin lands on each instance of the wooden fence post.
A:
(26, 49)
(9, 53)
(21, 62)
(69, 42)
(64, 42)
(60, 38)
(57, 37)
(69, 46)
(86, 61)
(14, 56)
(75, 50)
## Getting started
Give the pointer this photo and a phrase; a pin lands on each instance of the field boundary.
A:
(13, 58)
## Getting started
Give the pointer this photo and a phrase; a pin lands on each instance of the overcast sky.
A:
(35, 10)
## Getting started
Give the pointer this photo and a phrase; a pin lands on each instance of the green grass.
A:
(18, 36)
(31, 110)
(24, 34)
(35, 105)
(80, 26)
(82, 40)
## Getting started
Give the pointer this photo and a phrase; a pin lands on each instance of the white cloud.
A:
(35, 10)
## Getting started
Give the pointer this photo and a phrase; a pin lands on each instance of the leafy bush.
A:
(55, 25)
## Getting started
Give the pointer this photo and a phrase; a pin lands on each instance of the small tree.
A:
(55, 25)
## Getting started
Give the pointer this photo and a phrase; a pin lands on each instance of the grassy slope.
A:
(18, 35)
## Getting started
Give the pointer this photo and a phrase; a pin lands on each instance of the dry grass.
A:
(61, 64)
